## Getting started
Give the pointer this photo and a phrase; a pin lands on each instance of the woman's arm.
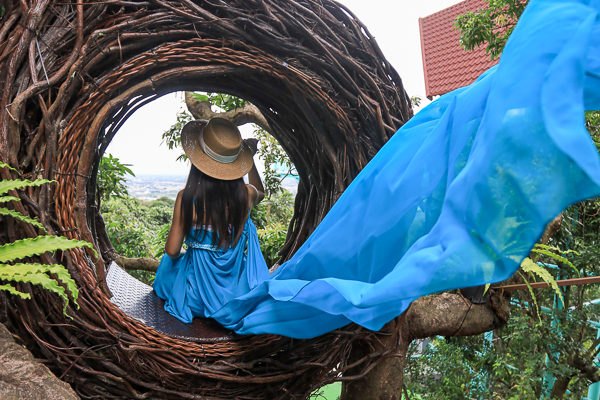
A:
(176, 234)
(255, 185)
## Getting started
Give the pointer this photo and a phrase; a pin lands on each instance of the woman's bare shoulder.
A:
(252, 191)
(252, 194)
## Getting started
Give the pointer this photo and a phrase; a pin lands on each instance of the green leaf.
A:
(10, 271)
(41, 244)
(199, 97)
(529, 266)
(537, 307)
(6, 186)
(21, 217)
(4, 165)
(556, 257)
(14, 291)
(556, 249)
(44, 281)
(6, 199)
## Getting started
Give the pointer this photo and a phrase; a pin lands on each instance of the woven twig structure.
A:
(71, 73)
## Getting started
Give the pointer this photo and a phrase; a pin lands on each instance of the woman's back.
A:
(205, 277)
(211, 216)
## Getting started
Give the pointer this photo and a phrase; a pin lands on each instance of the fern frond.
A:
(21, 217)
(487, 286)
(6, 199)
(44, 281)
(546, 247)
(554, 248)
(570, 252)
(41, 244)
(529, 266)
(556, 257)
(4, 165)
(14, 291)
(532, 295)
(9, 271)
(6, 186)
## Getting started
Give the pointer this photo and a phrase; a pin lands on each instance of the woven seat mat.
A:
(140, 302)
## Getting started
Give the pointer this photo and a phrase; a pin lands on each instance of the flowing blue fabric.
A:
(456, 198)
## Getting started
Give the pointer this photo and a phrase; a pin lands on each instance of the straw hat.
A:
(216, 148)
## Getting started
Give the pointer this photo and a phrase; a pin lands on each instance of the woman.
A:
(211, 216)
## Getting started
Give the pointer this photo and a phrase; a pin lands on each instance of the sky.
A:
(393, 23)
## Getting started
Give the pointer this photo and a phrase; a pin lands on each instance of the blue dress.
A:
(456, 198)
(204, 278)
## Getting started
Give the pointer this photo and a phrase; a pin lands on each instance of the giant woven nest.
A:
(72, 72)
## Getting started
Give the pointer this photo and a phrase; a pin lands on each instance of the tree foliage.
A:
(172, 136)
(547, 347)
(274, 159)
(489, 26)
(111, 178)
(223, 101)
(136, 230)
(271, 218)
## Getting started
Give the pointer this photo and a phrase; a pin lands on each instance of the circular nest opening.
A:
(72, 73)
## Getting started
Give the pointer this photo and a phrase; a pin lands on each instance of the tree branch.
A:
(143, 263)
(249, 113)
(449, 314)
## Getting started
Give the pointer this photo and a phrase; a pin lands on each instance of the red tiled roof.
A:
(446, 65)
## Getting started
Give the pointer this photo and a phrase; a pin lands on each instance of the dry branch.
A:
(143, 263)
(247, 114)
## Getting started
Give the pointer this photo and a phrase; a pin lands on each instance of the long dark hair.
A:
(221, 204)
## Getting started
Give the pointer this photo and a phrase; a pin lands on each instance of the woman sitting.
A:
(212, 215)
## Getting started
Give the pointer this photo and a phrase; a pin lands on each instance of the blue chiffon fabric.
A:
(456, 198)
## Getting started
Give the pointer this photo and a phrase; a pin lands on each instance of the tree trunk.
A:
(384, 382)
(560, 387)
(22, 378)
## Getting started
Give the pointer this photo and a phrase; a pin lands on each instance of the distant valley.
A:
(152, 187)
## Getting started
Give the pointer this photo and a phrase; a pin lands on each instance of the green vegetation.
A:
(328, 392)
(272, 218)
(549, 346)
(136, 229)
(111, 178)
(13, 271)
(172, 136)
(491, 25)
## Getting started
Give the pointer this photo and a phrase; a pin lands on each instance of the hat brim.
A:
(190, 141)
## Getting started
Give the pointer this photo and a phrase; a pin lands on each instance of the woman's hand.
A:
(252, 144)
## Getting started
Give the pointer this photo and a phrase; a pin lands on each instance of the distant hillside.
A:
(152, 187)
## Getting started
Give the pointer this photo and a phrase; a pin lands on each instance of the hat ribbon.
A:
(216, 156)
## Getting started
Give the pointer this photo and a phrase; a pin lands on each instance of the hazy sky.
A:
(395, 25)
